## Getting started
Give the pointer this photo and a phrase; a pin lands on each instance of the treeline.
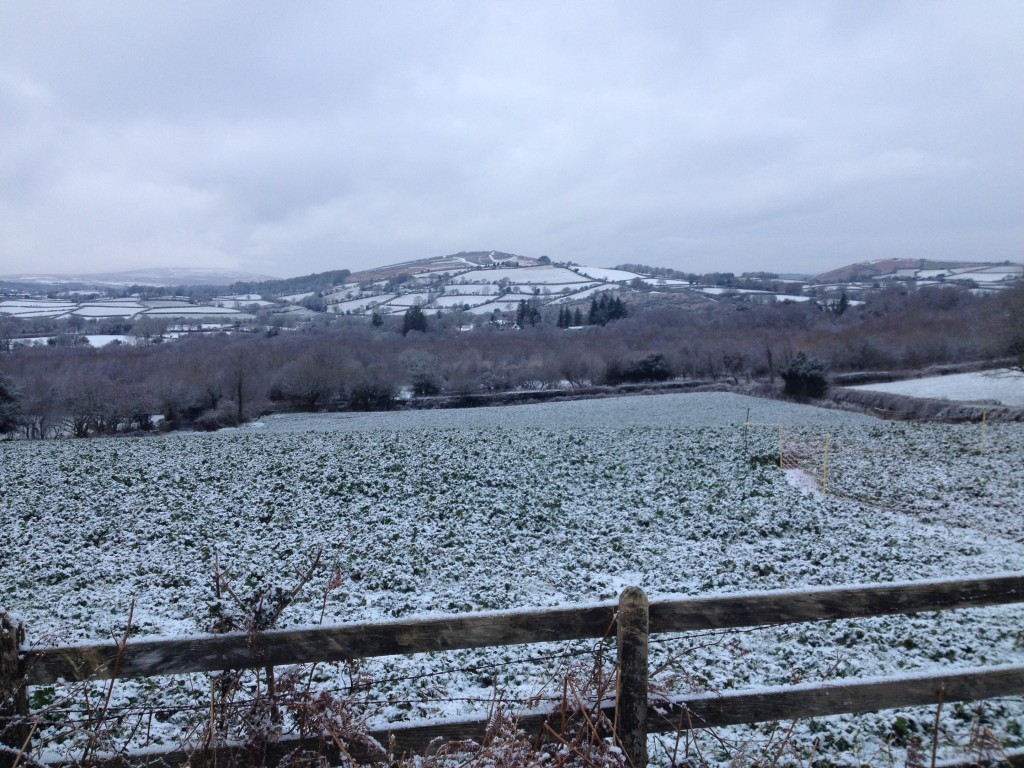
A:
(213, 381)
(314, 283)
(761, 281)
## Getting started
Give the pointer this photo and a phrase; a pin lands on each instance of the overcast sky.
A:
(290, 137)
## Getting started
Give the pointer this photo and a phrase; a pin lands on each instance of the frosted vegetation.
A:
(561, 503)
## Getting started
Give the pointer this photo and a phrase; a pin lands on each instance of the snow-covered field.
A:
(560, 503)
(95, 339)
(450, 300)
(26, 308)
(109, 309)
(361, 304)
(609, 275)
(1004, 386)
(198, 310)
(523, 275)
(508, 303)
(35, 308)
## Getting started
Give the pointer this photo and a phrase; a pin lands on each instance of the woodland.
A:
(210, 381)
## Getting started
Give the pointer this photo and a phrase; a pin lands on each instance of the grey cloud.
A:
(289, 138)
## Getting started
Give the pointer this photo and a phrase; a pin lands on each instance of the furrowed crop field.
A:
(540, 505)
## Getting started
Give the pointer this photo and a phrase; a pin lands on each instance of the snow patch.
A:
(801, 479)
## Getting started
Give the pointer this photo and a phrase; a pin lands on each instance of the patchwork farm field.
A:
(526, 506)
(1001, 386)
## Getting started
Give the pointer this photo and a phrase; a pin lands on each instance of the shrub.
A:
(371, 396)
(654, 367)
(425, 383)
(224, 415)
(805, 377)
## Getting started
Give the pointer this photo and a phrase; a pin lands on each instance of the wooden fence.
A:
(633, 618)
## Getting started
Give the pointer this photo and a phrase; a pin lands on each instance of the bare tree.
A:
(1011, 325)
(238, 374)
(310, 381)
(423, 371)
(149, 329)
(10, 401)
(8, 326)
(85, 403)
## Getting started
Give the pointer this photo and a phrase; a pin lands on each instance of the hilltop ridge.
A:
(914, 268)
(476, 283)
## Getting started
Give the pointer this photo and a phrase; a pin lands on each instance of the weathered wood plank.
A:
(631, 697)
(15, 734)
(407, 739)
(204, 653)
(714, 710)
(834, 698)
(1013, 758)
(795, 606)
(691, 712)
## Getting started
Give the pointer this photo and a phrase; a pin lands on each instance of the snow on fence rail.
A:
(633, 618)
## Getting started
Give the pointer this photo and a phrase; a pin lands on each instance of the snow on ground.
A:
(489, 307)
(522, 275)
(1005, 386)
(551, 504)
(1015, 270)
(102, 339)
(749, 292)
(95, 339)
(295, 298)
(449, 300)
(713, 290)
(508, 303)
(364, 303)
(194, 310)
(802, 479)
(473, 289)
(666, 281)
(702, 409)
(109, 310)
(990, 277)
(439, 273)
(406, 300)
(611, 275)
(33, 308)
(586, 293)
(222, 301)
(547, 289)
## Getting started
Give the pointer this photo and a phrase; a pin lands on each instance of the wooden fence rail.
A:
(634, 716)
(209, 653)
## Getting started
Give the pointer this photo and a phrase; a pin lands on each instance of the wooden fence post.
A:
(631, 699)
(14, 729)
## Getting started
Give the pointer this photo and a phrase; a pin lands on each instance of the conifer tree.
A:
(414, 320)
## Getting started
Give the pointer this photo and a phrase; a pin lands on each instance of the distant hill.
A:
(313, 283)
(158, 277)
(455, 261)
(908, 268)
(864, 270)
